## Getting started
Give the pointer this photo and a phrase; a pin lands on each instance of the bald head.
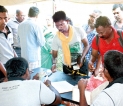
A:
(20, 15)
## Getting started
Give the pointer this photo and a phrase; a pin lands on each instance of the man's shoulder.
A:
(11, 20)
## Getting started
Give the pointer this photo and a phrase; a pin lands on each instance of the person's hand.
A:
(91, 66)
(80, 61)
(36, 77)
(82, 83)
(47, 82)
(53, 68)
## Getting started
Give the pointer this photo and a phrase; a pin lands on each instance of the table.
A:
(60, 76)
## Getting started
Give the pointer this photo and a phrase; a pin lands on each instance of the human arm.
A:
(57, 98)
(39, 36)
(82, 85)
(94, 56)
(54, 56)
(15, 54)
(3, 70)
(86, 48)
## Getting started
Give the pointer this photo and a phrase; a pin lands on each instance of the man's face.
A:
(104, 32)
(62, 25)
(118, 14)
(3, 19)
(20, 17)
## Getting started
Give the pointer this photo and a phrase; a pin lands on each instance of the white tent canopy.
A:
(14, 2)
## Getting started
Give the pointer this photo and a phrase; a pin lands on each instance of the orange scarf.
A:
(65, 45)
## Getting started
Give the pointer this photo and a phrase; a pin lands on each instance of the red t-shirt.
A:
(104, 47)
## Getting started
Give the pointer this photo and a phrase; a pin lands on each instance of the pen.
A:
(46, 78)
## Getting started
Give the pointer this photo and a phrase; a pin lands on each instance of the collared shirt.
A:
(13, 24)
(116, 26)
(6, 50)
(31, 39)
(104, 46)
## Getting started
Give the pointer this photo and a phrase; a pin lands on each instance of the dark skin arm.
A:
(2, 68)
(82, 85)
(86, 48)
(58, 98)
(94, 57)
(15, 55)
(54, 55)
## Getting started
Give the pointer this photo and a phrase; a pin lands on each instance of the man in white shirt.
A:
(113, 71)
(20, 91)
(6, 37)
(13, 23)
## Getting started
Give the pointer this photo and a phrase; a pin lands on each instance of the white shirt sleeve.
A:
(47, 96)
(40, 36)
(55, 45)
(103, 100)
(83, 33)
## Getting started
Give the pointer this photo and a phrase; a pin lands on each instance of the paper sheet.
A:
(90, 95)
(62, 86)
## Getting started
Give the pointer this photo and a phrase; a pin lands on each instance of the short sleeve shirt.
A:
(103, 46)
(75, 44)
(25, 93)
(111, 96)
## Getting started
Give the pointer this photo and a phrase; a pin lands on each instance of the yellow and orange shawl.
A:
(65, 45)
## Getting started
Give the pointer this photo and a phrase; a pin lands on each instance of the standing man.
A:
(31, 40)
(6, 37)
(108, 39)
(90, 29)
(70, 40)
(118, 15)
(13, 24)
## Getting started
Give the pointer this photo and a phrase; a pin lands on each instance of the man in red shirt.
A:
(108, 40)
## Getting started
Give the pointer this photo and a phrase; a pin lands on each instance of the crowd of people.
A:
(26, 48)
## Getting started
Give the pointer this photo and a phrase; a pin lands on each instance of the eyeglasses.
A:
(116, 13)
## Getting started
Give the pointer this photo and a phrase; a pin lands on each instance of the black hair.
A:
(115, 6)
(113, 62)
(33, 12)
(69, 20)
(102, 21)
(3, 9)
(59, 15)
(16, 67)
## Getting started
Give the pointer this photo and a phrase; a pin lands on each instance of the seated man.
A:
(113, 71)
(20, 91)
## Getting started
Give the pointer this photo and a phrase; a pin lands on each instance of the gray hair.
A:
(33, 12)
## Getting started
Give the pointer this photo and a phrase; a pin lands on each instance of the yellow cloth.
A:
(65, 45)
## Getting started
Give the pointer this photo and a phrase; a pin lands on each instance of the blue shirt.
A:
(31, 39)
(90, 37)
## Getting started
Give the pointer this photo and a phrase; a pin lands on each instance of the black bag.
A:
(83, 71)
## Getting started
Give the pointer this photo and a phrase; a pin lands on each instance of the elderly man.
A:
(113, 71)
(90, 29)
(20, 91)
(6, 37)
(70, 40)
(118, 15)
(31, 40)
(13, 23)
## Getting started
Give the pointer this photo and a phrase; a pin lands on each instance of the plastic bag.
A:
(46, 56)
(94, 82)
